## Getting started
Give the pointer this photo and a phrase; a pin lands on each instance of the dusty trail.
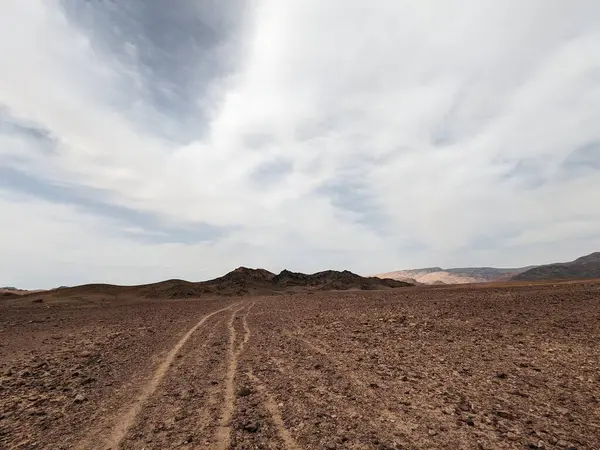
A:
(270, 405)
(124, 421)
(223, 434)
(267, 399)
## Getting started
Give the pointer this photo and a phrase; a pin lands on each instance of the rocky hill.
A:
(333, 280)
(584, 267)
(241, 281)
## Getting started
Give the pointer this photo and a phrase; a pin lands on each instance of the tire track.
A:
(223, 434)
(124, 421)
(271, 407)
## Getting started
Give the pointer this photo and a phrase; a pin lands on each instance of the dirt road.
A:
(421, 368)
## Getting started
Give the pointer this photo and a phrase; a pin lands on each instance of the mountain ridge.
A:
(459, 275)
(238, 282)
(584, 267)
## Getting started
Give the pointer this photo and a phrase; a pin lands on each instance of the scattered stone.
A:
(465, 406)
(518, 393)
(79, 398)
(511, 436)
(251, 426)
(505, 414)
(244, 392)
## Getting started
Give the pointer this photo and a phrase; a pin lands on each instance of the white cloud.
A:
(453, 118)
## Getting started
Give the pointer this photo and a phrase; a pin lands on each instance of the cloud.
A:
(306, 135)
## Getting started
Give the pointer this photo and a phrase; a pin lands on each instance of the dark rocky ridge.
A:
(585, 267)
(241, 281)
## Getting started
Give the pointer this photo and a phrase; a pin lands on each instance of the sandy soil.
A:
(488, 367)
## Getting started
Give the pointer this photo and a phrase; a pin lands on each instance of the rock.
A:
(505, 414)
(251, 426)
(562, 443)
(79, 398)
(244, 392)
(448, 410)
(432, 432)
(465, 406)
(511, 436)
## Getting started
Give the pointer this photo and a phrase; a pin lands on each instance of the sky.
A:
(142, 140)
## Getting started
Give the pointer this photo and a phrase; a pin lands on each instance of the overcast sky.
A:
(143, 139)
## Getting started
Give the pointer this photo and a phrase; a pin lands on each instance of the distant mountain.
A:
(12, 292)
(330, 280)
(241, 281)
(584, 267)
(437, 275)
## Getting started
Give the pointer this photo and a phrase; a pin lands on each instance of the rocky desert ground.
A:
(473, 367)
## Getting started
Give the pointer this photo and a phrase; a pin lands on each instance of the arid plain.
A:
(507, 366)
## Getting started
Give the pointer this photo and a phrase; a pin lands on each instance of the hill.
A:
(437, 275)
(241, 281)
(584, 267)
(332, 280)
(13, 292)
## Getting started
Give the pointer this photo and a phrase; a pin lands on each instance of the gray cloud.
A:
(166, 52)
(26, 129)
(137, 224)
(301, 134)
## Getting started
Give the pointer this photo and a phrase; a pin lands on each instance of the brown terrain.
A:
(501, 366)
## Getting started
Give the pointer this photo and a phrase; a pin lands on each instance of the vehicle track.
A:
(123, 422)
(270, 405)
(223, 434)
